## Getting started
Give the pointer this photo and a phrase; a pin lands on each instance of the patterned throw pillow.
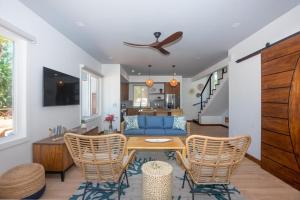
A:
(179, 123)
(131, 122)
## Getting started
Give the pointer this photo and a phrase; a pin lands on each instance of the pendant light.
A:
(149, 82)
(173, 82)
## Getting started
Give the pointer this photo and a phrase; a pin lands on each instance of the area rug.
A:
(134, 192)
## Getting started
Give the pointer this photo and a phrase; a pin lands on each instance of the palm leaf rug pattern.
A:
(134, 192)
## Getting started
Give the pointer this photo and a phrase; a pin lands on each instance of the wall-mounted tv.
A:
(59, 88)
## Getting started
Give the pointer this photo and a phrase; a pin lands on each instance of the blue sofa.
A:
(155, 126)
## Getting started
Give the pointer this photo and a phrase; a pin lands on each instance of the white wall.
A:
(190, 111)
(52, 50)
(217, 107)
(211, 69)
(245, 77)
(111, 98)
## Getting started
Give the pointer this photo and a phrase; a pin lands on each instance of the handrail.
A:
(208, 80)
(210, 89)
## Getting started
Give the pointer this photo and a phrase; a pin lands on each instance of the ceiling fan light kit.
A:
(149, 82)
(159, 45)
(173, 82)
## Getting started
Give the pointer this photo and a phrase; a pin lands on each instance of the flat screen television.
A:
(59, 89)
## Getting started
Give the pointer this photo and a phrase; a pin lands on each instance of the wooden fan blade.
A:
(170, 39)
(137, 45)
(163, 51)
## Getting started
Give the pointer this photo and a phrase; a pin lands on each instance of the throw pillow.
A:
(131, 122)
(179, 123)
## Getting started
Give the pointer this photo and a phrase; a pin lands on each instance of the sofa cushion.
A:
(139, 131)
(154, 131)
(175, 132)
(179, 123)
(131, 122)
(142, 121)
(168, 121)
(154, 122)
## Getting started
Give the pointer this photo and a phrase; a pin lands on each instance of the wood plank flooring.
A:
(253, 182)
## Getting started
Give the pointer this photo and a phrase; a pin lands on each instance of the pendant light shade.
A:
(173, 82)
(149, 82)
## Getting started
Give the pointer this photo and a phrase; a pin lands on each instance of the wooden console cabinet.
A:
(54, 155)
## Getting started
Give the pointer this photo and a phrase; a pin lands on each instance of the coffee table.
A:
(139, 143)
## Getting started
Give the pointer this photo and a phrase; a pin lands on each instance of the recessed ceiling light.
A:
(236, 24)
(80, 24)
(198, 58)
(139, 73)
(110, 57)
(132, 70)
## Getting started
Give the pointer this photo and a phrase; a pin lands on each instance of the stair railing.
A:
(205, 94)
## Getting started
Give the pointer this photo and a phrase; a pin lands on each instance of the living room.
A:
(209, 68)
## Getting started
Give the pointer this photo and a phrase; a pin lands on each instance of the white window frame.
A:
(99, 84)
(19, 91)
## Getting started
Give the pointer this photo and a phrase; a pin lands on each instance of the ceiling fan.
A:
(159, 45)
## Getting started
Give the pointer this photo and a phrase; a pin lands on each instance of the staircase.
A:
(212, 98)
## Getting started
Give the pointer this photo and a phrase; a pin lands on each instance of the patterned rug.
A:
(134, 192)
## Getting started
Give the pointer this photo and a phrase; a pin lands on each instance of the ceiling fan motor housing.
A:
(157, 34)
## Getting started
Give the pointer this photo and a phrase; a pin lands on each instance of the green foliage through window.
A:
(6, 70)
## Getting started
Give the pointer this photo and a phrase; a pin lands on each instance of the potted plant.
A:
(110, 118)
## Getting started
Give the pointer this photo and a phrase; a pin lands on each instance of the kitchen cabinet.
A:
(124, 91)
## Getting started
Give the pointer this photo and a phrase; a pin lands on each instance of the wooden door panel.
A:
(276, 124)
(285, 158)
(286, 47)
(294, 111)
(278, 95)
(278, 80)
(285, 173)
(278, 140)
(285, 63)
(278, 110)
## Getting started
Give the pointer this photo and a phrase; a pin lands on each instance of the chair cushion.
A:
(179, 123)
(142, 121)
(138, 131)
(131, 122)
(175, 132)
(154, 122)
(168, 122)
(155, 131)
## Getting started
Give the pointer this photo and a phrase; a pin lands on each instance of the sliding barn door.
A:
(281, 110)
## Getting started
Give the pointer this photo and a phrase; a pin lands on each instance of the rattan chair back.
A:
(212, 159)
(100, 158)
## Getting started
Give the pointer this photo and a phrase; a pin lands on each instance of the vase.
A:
(110, 127)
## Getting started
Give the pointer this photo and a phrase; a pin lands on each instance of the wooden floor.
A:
(214, 131)
(253, 182)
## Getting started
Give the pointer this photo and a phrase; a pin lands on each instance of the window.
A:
(6, 86)
(90, 94)
(13, 88)
(140, 95)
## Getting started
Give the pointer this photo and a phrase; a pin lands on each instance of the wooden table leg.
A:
(183, 152)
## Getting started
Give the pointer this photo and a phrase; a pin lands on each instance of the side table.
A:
(157, 180)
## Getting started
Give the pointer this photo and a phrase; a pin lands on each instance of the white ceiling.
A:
(100, 27)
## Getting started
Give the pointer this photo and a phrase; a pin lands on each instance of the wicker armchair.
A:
(211, 160)
(100, 158)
